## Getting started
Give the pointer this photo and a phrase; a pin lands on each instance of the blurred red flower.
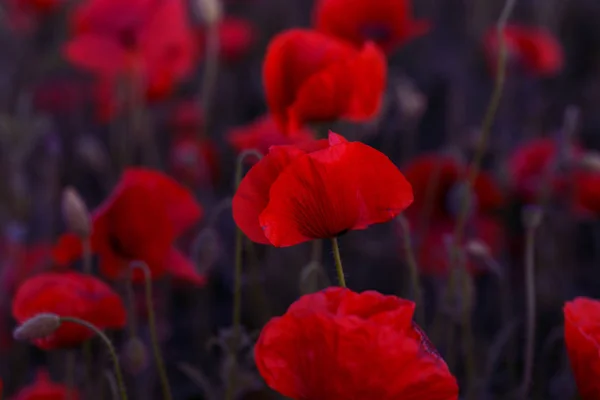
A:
(236, 36)
(319, 190)
(263, 133)
(389, 23)
(338, 344)
(149, 44)
(69, 294)
(44, 389)
(537, 50)
(311, 77)
(531, 167)
(582, 338)
(193, 161)
(142, 218)
(186, 117)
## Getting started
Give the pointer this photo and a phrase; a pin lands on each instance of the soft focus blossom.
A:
(582, 338)
(338, 344)
(310, 77)
(45, 389)
(69, 294)
(389, 23)
(321, 190)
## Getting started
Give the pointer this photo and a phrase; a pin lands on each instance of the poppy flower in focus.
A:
(389, 23)
(69, 294)
(310, 77)
(530, 168)
(438, 182)
(319, 190)
(338, 344)
(44, 389)
(140, 221)
(142, 41)
(582, 338)
(537, 50)
(264, 133)
(236, 36)
(193, 161)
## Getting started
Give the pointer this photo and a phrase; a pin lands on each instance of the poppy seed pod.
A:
(135, 355)
(37, 327)
(210, 11)
(76, 213)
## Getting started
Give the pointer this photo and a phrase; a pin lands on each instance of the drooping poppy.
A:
(43, 388)
(536, 164)
(264, 133)
(140, 221)
(389, 23)
(338, 344)
(582, 338)
(310, 77)
(236, 36)
(319, 190)
(69, 294)
(438, 182)
(536, 50)
(149, 45)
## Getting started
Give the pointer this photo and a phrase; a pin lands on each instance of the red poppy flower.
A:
(389, 23)
(69, 294)
(530, 168)
(438, 180)
(582, 337)
(143, 41)
(194, 162)
(536, 49)
(44, 389)
(140, 221)
(311, 77)
(264, 133)
(321, 190)
(236, 36)
(338, 344)
(432, 250)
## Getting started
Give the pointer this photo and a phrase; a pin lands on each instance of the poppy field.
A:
(299, 199)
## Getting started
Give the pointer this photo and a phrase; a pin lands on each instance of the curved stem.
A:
(209, 78)
(158, 359)
(531, 315)
(413, 269)
(338, 262)
(109, 346)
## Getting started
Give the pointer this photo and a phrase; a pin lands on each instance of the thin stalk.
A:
(531, 313)
(338, 262)
(413, 270)
(158, 359)
(109, 346)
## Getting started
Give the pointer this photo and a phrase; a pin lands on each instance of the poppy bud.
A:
(477, 248)
(210, 11)
(75, 213)
(37, 327)
(135, 355)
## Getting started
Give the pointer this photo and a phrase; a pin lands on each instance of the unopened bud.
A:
(477, 248)
(76, 213)
(532, 217)
(591, 161)
(37, 327)
(210, 11)
(135, 355)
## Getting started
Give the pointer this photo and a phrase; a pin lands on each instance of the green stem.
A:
(109, 346)
(413, 270)
(338, 262)
(158, 359)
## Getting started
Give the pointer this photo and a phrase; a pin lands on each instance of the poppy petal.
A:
(96, 54)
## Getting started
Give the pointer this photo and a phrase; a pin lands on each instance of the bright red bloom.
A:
(264, 133)
(389, 23)
(236, 36)
(446, 176)
(582, 337)
(299, 193)
(338, 344)
(530, 167)
(311, 77)
(44, 389)
(142, 218)
(536, 49)
(148, 43)
(69, 294)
